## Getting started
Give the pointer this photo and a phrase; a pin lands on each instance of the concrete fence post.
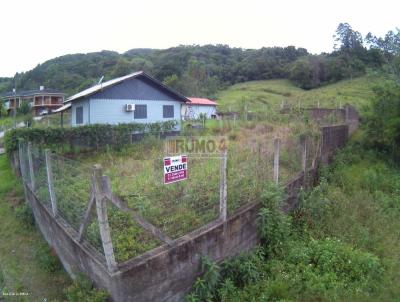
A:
(49, 171)
(223, 190)
(277, 143)
(303, 143)
(101, 209)
(22, 169)
(31, 170)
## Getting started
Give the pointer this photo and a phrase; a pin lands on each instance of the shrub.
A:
(273, 224)
(244, 269)
(25, 215)
(82, 290)
(47, 259)
(24, 108)
(90, 136)
(2, 281)
(205, 287)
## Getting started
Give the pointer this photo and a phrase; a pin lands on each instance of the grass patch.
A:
(264, 96)
(18, 265)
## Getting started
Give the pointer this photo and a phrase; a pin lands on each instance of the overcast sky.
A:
(35, 31)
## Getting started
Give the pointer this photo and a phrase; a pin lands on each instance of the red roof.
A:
(200, 101)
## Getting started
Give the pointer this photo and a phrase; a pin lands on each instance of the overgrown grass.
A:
(341, 244)
(21, 247)
(267, 96)
(136, 174)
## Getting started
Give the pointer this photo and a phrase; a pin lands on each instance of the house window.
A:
(168, 111)
(140, 112)
(79, 115)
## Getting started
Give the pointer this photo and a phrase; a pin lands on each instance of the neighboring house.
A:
(40, 101)
(197, 106)
(136, 97)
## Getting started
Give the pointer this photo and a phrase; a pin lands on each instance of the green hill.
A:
(192, 70)
(259, 96)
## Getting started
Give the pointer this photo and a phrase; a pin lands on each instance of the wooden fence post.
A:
(223, 186)
(49, 171)
(31, 171)
(101, 209)
(277, 142)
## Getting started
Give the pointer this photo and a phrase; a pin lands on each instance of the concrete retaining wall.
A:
(168, 272)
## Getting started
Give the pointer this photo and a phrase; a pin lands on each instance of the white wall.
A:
(112, 111)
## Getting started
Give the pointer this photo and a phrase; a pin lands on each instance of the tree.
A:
(383, 119)
(347, 39)
(24, 108)
(309, 72)
(389, 46)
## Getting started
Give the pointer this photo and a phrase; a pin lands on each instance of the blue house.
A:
(136, 97)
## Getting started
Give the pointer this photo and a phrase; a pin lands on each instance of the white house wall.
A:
(85, 105)
(112, 111)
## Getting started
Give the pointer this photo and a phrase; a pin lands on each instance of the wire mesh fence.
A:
(60, 184)
(175, 208)
(72, 187)
(66, 187)
(249, 169)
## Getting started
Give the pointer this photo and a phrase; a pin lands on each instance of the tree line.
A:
(203, 70)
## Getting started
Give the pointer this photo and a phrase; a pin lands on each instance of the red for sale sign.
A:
(175, 168)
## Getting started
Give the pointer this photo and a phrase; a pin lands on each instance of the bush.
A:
(383, 120)
(25, 215)
(273, 224)
(2, 281)
(82, 290)
(91, 136)
(47, 259)
(23, 109)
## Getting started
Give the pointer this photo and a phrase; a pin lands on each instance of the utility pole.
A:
(15, 108)
(15, 102)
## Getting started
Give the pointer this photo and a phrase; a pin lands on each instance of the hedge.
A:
(90, 136)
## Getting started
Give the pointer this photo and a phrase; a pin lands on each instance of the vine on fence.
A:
(91, 136)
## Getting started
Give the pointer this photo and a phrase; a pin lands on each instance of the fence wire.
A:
(176, 208)
(72, 187)
(173, 209)
(40, 179)
(249, 169)
(24, 163)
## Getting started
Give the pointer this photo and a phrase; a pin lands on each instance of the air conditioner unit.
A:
(130, 107)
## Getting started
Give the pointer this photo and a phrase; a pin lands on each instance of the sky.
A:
(33, 32)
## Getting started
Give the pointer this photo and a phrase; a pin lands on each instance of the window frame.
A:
(172, 113)
(144, 116)
(80, 121)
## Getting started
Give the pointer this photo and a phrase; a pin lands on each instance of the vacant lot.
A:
(136, 174)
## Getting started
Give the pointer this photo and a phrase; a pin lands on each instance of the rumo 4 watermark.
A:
(207, 145)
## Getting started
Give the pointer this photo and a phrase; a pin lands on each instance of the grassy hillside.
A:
(263, 95)
(25, 262)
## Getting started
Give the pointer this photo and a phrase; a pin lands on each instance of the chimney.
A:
(41, 88)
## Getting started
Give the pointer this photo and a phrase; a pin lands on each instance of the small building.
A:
(197, 106)
(136, 97)
(41, 101)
